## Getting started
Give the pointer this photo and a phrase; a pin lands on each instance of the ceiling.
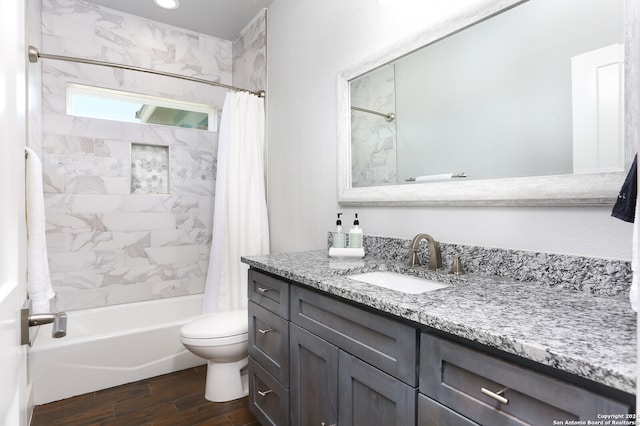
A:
(219, 18)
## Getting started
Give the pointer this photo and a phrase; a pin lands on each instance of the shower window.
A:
(108, 104)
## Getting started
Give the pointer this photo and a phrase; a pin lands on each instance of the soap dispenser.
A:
(338, 234)
(355, 234)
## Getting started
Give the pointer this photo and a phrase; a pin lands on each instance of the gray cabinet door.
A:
(367, 396)
(313, 379)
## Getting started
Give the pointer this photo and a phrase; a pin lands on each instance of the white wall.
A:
(309, 43)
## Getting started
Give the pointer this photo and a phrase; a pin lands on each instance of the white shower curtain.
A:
(240, 223)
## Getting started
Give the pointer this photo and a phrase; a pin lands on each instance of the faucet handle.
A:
(456, 266)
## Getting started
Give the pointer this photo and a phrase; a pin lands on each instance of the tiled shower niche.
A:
(149, 169)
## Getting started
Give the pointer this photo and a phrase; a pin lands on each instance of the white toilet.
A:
(222, 339)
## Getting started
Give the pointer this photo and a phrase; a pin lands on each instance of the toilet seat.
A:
(216, 342)
(217, 329)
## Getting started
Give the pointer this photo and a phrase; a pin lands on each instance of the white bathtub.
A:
(110, 346)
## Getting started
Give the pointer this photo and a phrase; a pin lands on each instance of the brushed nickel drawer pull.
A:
(265, 331)
(264, 289)
(264, 393)
(496, 395)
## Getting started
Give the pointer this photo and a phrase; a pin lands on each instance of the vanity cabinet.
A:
(490, 391)
(330, 386)
(316, 360)
(330, 381)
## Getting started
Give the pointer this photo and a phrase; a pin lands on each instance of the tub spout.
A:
(59, 321)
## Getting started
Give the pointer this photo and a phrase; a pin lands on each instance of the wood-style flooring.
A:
(175, 399)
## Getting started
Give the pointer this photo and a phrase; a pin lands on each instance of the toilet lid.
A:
(217, 324)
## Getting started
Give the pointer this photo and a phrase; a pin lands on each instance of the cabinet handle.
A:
(261, 331)
(496, 395)
(264, 393)
(264, 289)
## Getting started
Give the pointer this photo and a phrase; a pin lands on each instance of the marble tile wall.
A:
(106, 245)
(373, 139)
(250, 55)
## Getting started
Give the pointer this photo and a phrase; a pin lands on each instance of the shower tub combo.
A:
(112, 345)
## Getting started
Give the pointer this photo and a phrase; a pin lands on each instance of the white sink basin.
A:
(398, 282)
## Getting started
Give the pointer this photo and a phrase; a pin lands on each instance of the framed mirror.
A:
(514, 103)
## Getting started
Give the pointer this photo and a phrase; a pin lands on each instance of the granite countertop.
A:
(591, 336)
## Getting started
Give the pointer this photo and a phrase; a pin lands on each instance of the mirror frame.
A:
(555, 190)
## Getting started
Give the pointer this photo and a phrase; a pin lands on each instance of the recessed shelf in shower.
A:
(149, 169)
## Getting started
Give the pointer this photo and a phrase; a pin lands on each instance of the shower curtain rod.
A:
(389, 117)
(34, 54)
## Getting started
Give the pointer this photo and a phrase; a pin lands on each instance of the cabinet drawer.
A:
(434, 414)
(269, 342)
(270, 293)
(455, 376)
(384, 343)
(268, 399)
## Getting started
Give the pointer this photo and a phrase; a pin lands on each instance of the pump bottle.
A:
(338, 234)
(355, 234)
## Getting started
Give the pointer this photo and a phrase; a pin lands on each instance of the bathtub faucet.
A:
(28, 320)
(59, 321)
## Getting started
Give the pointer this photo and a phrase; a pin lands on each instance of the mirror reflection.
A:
(534, 91)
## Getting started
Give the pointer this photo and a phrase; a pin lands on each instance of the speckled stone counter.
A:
(589, 335)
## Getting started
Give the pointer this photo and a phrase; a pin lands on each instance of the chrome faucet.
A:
(435, 257)
(59, 320)
(27, 319)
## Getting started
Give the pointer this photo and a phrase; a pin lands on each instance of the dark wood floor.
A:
(174, 399)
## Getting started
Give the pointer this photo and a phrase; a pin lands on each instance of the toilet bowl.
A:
(222, 339)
